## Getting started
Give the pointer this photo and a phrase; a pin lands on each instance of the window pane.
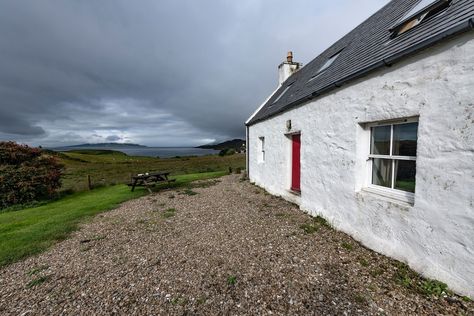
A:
(423, 4)
(283, 93)
(405, 171)
(382, 172)
(404, 139)
(380, 140)
(329, 62)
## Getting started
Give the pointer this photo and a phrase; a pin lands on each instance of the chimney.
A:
(287, 68)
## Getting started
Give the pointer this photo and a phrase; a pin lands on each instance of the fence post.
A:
(89, 182)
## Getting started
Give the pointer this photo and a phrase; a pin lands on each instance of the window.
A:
(423, 4)
(314, 77)
(419, 13)
(326, 65)
(281, 94)
(393, 156)
(262, 149)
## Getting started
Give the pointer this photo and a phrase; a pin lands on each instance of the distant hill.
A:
(103, 145)
(230, 144)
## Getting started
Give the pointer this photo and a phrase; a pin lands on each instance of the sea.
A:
(161, 152)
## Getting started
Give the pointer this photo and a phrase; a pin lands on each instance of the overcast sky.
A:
(153, 72)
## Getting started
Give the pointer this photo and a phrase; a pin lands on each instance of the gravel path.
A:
(223, 247)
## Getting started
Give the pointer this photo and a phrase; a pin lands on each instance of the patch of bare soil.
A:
(222, 247)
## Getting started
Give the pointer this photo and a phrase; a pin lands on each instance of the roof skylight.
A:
(329, 62)
(419, 7)
(281, 94)
(326, 65)
(423, 10)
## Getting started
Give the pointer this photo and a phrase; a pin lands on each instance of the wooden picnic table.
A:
(149, 180)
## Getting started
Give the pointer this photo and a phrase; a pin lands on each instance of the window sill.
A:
(397, 196)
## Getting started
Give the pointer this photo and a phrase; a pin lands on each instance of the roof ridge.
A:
(365, 52)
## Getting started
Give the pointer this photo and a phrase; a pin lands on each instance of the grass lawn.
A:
(32, 230)
(113, 167)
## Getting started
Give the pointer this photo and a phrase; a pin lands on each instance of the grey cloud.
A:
(11, 124)
(113, 138)
(158, 73)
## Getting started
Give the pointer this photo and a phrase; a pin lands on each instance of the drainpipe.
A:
(247, 152)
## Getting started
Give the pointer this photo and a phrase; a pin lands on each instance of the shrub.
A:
(227, 152)
(26, 174)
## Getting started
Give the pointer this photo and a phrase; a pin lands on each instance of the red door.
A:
(295, 163)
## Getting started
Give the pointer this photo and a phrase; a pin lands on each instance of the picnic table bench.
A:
(149, 180)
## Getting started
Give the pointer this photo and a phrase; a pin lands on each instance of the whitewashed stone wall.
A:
(435, 236)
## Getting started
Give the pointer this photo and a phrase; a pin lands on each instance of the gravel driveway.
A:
(222, 247)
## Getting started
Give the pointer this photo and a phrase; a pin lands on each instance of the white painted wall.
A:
(435, 236)
(285, 70)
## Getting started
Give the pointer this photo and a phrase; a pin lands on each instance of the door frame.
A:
(293, 188)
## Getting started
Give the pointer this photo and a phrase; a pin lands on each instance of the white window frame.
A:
(262, 149)
(400, 195)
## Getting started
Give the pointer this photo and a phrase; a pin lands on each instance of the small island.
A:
(237, 144)
(108, 145)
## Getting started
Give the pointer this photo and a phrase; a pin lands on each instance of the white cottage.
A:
(376, 135)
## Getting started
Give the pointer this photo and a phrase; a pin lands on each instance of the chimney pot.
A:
(289, 57)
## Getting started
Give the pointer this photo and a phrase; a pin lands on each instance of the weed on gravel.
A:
(321, 221)
(414, 281)
(363, 262)
(347, 246)
(203, 184)
(37, 270)
(37, 281)
(433, 287)
(309, 228)
(231, 280)
(179, 301)
(169, 213)
(189, 192)
(361, 299)
(85, 248)
(375, 272)
(314, 225)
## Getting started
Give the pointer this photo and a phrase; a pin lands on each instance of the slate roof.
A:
(369, 47)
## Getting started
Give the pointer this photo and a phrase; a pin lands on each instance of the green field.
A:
(32, 230)
(28, 231)
(112, 167)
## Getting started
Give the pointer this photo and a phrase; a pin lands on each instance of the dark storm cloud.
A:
(113, 138)
(12, 124)
(152, 72)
